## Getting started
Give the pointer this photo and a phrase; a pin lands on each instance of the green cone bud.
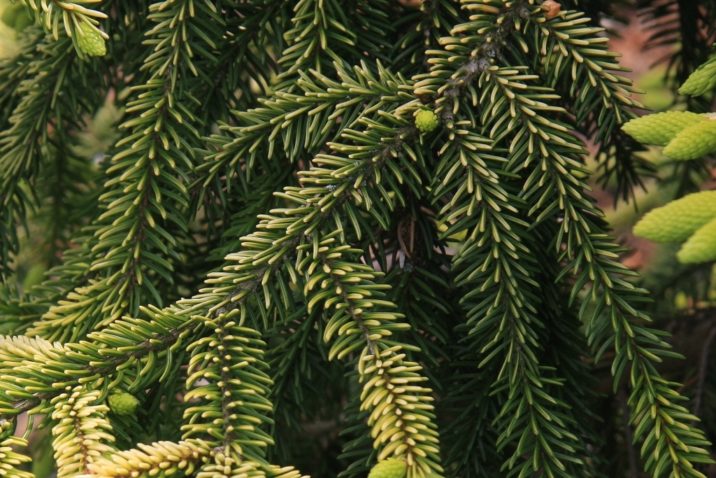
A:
(701, 246)
(123, 403)
(391, 468)
(660, 128)
(89, 41)
(693, 142)
(426, 120)
(702, 80)
(676, 221)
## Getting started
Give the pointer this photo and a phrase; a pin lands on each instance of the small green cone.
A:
(426, 120)
(123, 403)
(390, 468)
(693, 142)
(702, 80)
(89, 41)
(700, 247)
(660, 128)
(676, 221)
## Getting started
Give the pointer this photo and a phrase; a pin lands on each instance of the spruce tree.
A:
(352, 238)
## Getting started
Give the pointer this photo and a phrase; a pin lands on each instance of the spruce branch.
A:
(11, 460)
(146, 197)
(149, 459)
(555, 186)
(81, 433)
(502, 305)
(325, 32)
(34, 120)
(234, 397)
(615, 320)
(602, 98)
(400, 406)
(431, 227)
(298, 122)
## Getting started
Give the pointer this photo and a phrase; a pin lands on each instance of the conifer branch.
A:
(555, 186)
(502, 307)
(298, 122)
(637, 347)
(11, 460)
(602, 98)
(326, 32)
(81, 433)
(35, 118)
(162, 457)
(400, 406)
(406, 236)
(234, 397)
(146, 196)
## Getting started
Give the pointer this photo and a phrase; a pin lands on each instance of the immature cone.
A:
(702, 80)
(391, 468)
(89, 41)
(660, 128)
(701, 246)
(123, 403)
(693, 142)
(426, 120)
(676, 221)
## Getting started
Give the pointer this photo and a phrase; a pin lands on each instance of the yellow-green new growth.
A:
(161, 458)
(676, 221)
(702, 80)
(660, 128)
(701, 246)
(90, 41)
(693, 142)
(390, 468)
(11, 461)
(426, 120)
(123, 403)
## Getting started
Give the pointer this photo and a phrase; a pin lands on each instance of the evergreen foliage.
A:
(352, 238)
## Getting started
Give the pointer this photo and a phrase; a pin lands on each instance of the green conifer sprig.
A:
(371, 208)
(11, 459)
(146, 194)
(34, 123)
(183, 457)
(501, 305)
(21, 310)
(298, 122)
(360, 319)
(576, 52)
(555, 186)
(80, 431)
(326, 31)
(637, 347)
(231, 409)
